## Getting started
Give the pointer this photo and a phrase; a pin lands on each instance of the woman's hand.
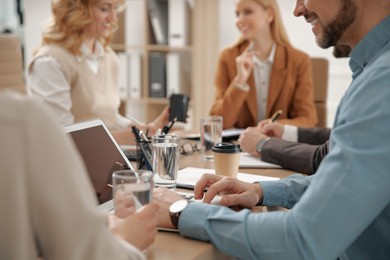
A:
(245, 64)
(139, 228)
(159, 122)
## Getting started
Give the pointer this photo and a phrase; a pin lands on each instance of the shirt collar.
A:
(370, 47)
(270, 58)
(87, 54)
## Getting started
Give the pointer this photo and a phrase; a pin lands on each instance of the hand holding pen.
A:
(244, 65)
(271, 127)
(275, 116)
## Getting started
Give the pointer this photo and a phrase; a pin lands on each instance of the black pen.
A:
(166, 128)
(136, 132)
(170, 126)
(275, 116)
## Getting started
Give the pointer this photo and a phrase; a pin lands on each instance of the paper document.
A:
(250, 161)
(188, 177)
(232, 132)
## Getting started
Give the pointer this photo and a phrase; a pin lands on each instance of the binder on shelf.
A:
(158, 14)
(157, 72)
(134, 74)
(122, 75)
(135, 22)
(178, 23)
(178, 73)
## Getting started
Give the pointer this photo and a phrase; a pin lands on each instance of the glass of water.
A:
(210, 134)
(165, 160)
(134, 185)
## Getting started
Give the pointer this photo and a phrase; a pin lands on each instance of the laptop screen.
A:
(101, 154)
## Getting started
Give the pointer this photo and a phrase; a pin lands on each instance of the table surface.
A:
(170, 245)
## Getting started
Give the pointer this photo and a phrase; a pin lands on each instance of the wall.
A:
(302, 38)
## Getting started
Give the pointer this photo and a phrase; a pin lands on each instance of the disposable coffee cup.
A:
(226, 159)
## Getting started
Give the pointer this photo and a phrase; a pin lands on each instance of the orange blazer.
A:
(290, 89)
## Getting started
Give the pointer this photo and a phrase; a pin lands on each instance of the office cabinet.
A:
(184, 50)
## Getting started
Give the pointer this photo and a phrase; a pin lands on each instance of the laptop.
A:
(101, 154)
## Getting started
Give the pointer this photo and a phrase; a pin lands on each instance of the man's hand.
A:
(233, 191)
(249, 138)
(165, 197)
(274, 129)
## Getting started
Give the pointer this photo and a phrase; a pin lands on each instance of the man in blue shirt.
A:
(343, 211)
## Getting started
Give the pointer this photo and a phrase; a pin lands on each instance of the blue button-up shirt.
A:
(344, 209)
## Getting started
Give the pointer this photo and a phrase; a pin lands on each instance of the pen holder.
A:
(144, 155)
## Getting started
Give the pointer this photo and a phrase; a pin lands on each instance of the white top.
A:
(262, 75)
(48, 208)
(47, 81)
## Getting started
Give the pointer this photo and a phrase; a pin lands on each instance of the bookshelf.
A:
(200, 54)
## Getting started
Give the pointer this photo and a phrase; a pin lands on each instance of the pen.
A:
(143, 136)
(136, 132)
(275, 116)
(170, 126)
(166, 128)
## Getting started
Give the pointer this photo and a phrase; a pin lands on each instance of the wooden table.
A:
(170, 245)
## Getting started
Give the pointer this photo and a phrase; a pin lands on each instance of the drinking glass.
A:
(210, 134)
(165, 160)
(136, 185)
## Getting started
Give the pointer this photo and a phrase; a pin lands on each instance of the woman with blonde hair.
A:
(75, 71)
(262, 73)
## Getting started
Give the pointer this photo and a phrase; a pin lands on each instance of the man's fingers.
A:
(222, 186)
(205, 181)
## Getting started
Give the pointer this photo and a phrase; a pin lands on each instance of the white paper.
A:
(250, 161)
(232, 132)
(190, 175)
(225, 133)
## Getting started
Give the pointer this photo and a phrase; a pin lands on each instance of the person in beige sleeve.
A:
(262, 73)
(76, 73)
(49, 210)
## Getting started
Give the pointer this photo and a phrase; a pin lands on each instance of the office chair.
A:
(320, 81)
(11, 63)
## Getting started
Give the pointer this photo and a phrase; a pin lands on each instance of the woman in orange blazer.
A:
(263, 68)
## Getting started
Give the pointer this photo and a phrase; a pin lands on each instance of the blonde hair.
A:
(277, 29)
(70, 17)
